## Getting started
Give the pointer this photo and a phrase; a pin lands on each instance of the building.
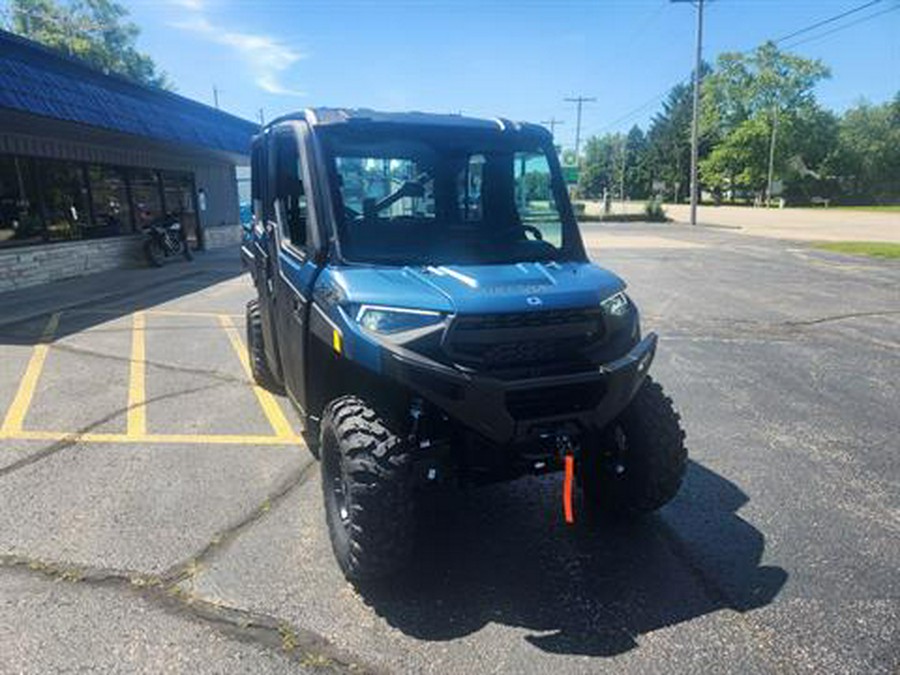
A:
(86, 158)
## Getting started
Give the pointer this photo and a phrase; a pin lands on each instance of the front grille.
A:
(493, 341)
(525, 404)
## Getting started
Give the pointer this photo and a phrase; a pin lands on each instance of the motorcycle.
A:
(166, 238)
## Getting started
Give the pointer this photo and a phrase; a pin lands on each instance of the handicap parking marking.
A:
(138, 403)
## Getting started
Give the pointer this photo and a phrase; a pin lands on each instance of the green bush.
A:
(654, 211)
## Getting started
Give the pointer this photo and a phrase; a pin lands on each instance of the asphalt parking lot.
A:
(160, 513)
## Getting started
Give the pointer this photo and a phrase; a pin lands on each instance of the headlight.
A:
(395, 319)
(616, 305)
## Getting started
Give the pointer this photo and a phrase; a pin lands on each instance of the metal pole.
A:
(216, 96)
(695, 123)
(771, 158)
(578, 101)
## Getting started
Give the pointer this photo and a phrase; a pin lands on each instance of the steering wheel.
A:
(535, 231)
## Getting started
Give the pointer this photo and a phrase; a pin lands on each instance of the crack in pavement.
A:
(188, 568)
(305, 647)
(73, 438)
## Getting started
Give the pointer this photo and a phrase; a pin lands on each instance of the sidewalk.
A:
(798, 224)
(28, 303)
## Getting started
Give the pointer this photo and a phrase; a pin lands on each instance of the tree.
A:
(669, 139)
(600, 165)
(867, 160)
(751, 89)
(96, 31)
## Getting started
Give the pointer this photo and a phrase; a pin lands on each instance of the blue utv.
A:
(425, 300)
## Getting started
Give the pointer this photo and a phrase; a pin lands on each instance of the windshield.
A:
(426, 198)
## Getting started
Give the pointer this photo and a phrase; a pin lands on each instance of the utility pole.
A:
(578, 101)
(262, 118)
(216, 96)
(695, 122)
(552, 123)
(772, 157)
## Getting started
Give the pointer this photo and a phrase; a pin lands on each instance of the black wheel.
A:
(367, 490)
(640, 459)
(154, 252)
(259, 365)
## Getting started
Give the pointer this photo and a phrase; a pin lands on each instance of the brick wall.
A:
(223, 235)
(32, 265)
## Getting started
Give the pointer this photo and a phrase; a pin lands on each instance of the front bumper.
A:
(506, 411)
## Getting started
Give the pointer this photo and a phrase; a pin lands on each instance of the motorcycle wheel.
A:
(154, 252)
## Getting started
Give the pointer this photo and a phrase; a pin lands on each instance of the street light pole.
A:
(695, 122)
(578, 101)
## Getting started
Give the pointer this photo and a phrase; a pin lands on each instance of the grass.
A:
(872, 249)
(887, 208)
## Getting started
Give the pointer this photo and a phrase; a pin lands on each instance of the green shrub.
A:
(654, 211)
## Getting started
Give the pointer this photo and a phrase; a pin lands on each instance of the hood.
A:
(480, 289)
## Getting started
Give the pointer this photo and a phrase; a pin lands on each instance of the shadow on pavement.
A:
(24, 313)
(502, 555)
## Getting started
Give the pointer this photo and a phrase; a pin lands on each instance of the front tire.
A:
(640, 461)
(367, 490)
(154, 251)
(259, 364)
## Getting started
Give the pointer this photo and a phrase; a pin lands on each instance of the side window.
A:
(535, 202)
(288, 196)
(468, 190)
(257, 177)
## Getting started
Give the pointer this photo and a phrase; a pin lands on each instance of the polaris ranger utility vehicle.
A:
(425, 300)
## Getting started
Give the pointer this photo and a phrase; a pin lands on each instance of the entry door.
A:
(296, 269)
(179, 197)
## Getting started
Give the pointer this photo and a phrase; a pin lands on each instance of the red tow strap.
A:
(568, 485)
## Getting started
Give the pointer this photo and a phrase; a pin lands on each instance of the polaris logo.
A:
(534, 301)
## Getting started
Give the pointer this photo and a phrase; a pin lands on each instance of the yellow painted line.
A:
(15, 416)
(176, 312)
(270, 406)
(137, 380)
(160, 312)
(196, 439)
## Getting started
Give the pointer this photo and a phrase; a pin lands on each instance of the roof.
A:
(336, 116)
(40, 81)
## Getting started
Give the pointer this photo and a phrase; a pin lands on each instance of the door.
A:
(296, 269)
(265, 249)
(178, 198)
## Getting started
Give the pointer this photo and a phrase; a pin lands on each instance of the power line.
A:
(825, 22)
(632, 113)
(843, 27)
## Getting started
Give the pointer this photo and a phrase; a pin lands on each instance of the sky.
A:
(515, 59)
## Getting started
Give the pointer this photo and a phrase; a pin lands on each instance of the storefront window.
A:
(65, 199)
(146, 195)
(109, 201)
(46, 200)
(178, 191)
(20, 216)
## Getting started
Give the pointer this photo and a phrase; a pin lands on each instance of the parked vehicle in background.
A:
(425, 299)
(165, 238)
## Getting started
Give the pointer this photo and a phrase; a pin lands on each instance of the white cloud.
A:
(267, 57)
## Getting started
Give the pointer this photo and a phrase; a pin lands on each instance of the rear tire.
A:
(640, 461)
(259, 364)
(367, 490)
